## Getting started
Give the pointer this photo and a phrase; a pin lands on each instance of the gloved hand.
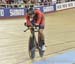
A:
(25, 24)
(36, 25)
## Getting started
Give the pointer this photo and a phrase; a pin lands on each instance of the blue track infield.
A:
(65, 58)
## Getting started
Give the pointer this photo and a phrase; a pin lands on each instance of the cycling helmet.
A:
(30, 11)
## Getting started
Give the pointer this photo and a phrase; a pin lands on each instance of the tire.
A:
(31, 48)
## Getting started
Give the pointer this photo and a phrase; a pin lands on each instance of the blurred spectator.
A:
(46, 2)
(39, 1)
(0, 1)
(32, 3)
(22, 5)
(29, 3)
(4, 1)
(19, 1)
(15, 1)
(8, 1)
(2, 4)
(25, 1)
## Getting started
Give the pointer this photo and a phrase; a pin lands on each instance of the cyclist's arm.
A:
(39, 19)
(28, 21)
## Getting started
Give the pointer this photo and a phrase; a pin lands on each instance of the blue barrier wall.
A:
(12, 12)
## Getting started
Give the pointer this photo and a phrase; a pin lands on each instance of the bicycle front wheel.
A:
(31, 48)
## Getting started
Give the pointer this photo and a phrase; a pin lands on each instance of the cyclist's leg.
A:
(41, 29)
(41, 38)
(41, 34)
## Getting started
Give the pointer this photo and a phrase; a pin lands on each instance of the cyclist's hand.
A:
(30, 26)
(36, 24)
(25, 24)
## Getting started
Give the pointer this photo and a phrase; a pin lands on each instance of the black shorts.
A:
(41, 26)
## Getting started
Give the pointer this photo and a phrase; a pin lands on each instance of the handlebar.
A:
(26, 30)
(34, 28)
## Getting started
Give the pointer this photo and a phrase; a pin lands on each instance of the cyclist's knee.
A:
(41, 34)
(40, 31)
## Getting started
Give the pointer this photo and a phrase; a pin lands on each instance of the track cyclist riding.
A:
(35, 17)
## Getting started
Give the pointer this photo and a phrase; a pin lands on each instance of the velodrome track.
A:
(59, 35)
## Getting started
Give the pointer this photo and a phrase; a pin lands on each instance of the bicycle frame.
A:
(33, 44)
(34, 37)
(33, 30)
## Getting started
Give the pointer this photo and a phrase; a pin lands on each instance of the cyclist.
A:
(35, 17)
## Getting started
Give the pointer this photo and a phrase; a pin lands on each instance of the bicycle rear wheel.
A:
(41, 52)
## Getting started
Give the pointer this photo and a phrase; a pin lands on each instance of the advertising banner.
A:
(14, 12)
(48, 9)
(1, 12)
(65, 5)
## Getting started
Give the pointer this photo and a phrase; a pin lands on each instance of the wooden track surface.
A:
(59, 36)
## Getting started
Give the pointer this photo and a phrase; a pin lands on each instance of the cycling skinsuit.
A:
(38, 18)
